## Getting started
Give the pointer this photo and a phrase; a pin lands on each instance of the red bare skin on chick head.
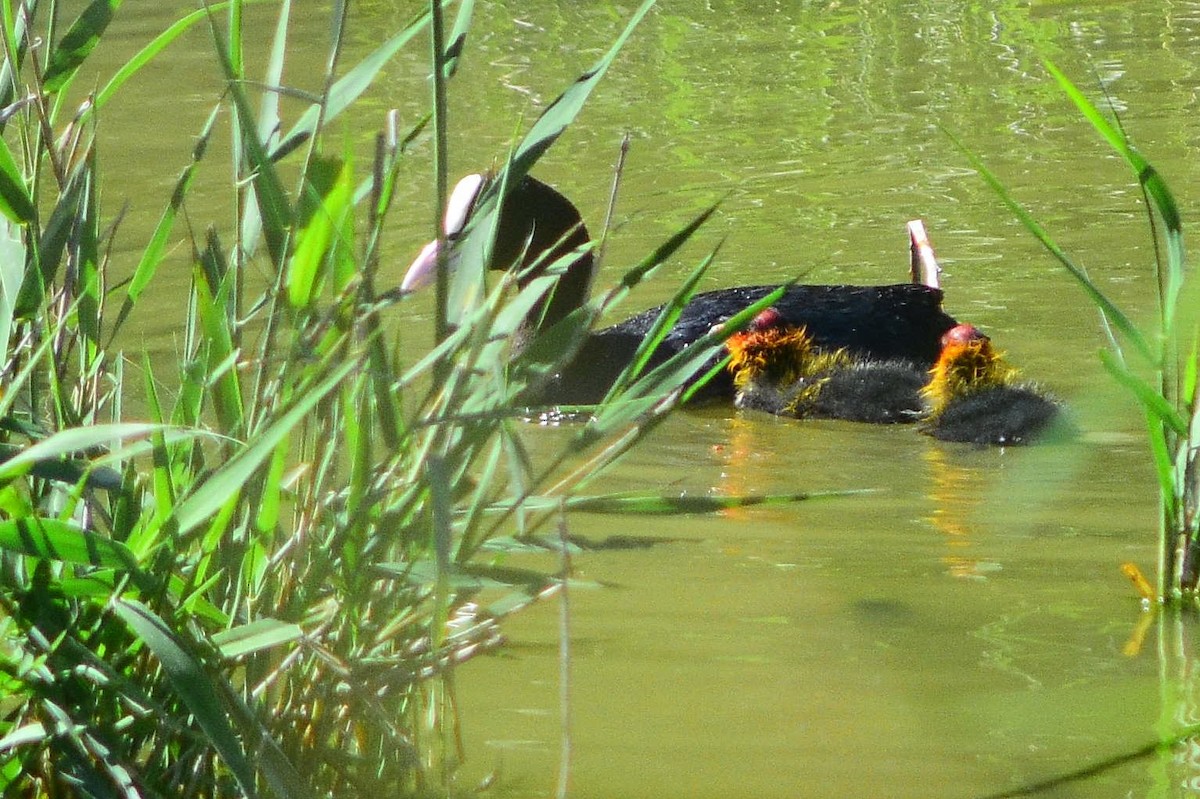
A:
(962, 334)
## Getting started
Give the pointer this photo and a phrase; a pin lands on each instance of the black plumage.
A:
(538, 225)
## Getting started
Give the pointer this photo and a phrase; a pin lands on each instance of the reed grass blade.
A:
(257, 636)
(1150, 398)
(457, 41)
(151, 51)
(324, 208)
(563, 110)
(1110, 310)
(152, 255)
(231, 478)
(195, 688)
(77, 44)
(15, 202)
(661, 505)
(60, 541)
(1151, 181)
(348, 88)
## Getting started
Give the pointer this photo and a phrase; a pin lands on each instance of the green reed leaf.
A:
(670, 314)
(651, 394)
(661, 505)
(458, 37)
(220, 352)
(274, 209)
(533, 544)
(232, 477)
(269, 120)
(52, 244)
(64, 470)
(12, 272)
(1161, 419)
(1164, 467)
(77, 44)
(85, 258)
(15, 202)
(1151, 181)
(152, 255)
(1107, 307)
(256, 636)
(80, 439)
(60, 541)
(103, 583)
(1150, 398)
(350, 87)
(325, 207)
(562, 112)
(661, 254)
(467, 576)
(25, 735)
(151, 50)
(1142, 169)
(195, 687)
(1191, 371)
(544, 132)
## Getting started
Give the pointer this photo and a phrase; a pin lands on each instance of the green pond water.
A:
(963, 628)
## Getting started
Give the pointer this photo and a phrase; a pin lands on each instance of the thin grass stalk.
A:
(564, 653)
(337, 35)
(610, 210)
(1173, 505)
(13, 16)
(440, 168)
(584, 441)
(606, 441)
(239, 197)
(267, 131)
(44, 144)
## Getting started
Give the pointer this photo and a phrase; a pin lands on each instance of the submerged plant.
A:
(1168, 350)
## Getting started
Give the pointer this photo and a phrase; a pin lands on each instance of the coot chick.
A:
(777, 367)
(538, 226)
(973, 396)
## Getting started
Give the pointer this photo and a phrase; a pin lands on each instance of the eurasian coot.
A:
(777, 367)
(974, 396)
(538, 225)
(970, 395)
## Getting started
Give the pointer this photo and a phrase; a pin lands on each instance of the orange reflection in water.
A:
(743, 469)
(955, 493)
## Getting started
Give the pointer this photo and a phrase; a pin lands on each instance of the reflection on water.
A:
(961, 628)
(954, 495)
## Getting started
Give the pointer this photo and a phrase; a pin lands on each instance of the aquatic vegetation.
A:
(1168, 349)
(266, 587)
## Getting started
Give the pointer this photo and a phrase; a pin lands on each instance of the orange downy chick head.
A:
(967, 363)
(775, 352)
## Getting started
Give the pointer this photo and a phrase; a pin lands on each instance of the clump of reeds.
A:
(1165, 349)
(264, 587)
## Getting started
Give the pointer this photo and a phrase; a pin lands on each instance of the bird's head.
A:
(772, 351)
(537, 229)
(967, 363)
